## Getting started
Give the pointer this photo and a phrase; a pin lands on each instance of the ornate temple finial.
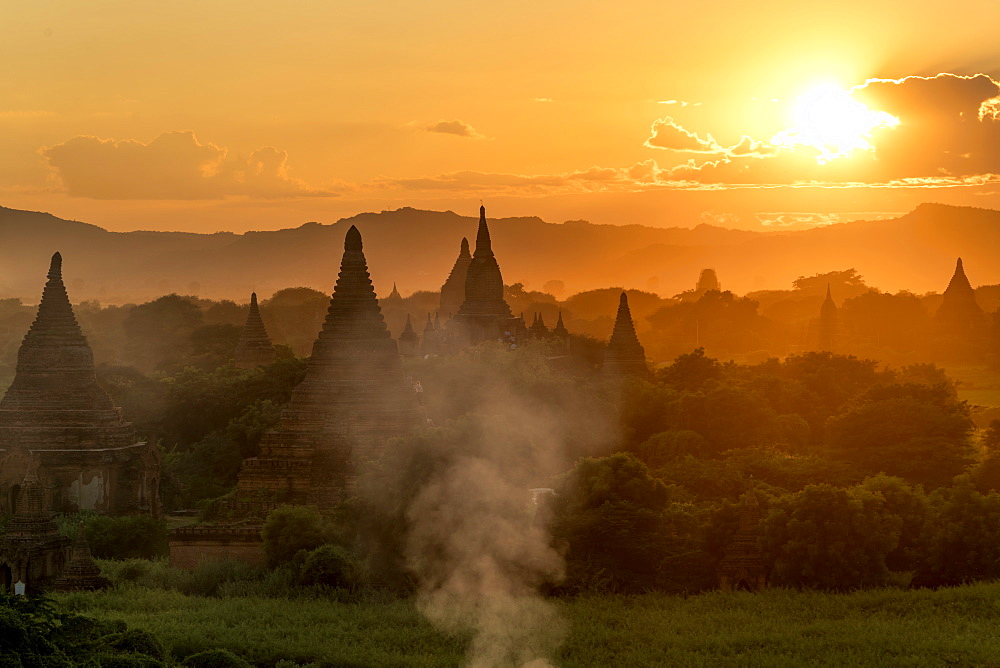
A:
(352, 242)
(55, 267)
(829, 295)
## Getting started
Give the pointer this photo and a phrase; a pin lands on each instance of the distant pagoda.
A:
(453, 290)
(959, 311)
(254, 348)
(57, 416)
(394, 296)
(538, 328)
(80, 573)
(352, 400)
(960, 329)
(624, 355)
(742, 567)
(560, 329)
(408, 340)
(708, 280)
(827, 325)
(484, 315)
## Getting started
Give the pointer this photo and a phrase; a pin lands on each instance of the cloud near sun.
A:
(910, 132)
(175, 165)
(940, 130)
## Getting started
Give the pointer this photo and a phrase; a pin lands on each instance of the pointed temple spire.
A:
(408, 340)
(484, 314)
(484, 247)
(352, 400)
(55, 410)
(624, 355)
(827, 325)
(453, 290)
(538, 328)
(959, 311)
(560, 329)
(55, 341)
(254, 348)
(394, 295)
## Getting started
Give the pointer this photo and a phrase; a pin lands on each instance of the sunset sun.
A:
(829, 120)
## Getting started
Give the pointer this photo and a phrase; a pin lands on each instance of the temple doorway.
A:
(6, 577)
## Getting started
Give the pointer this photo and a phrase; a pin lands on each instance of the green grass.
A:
(776, 628)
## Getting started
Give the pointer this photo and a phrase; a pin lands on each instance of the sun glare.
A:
(829, 120)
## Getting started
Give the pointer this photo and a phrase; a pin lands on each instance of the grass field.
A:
(776, 628)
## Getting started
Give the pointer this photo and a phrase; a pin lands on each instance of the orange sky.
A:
(206, 116)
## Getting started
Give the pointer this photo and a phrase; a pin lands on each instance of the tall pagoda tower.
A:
(352, 400)
(624, 355)
(827, 325)
(453, 290)
(56, 415)
(254, 348)
(484, 315)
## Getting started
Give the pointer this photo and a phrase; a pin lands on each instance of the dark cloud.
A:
(175, 165)
(455, 127)
(947, 125)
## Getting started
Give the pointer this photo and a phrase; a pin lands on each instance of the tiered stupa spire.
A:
(254, 348)
(484, 315)
(483, 281)
(453, 290)
(828, 322)
(560, 329)
(624, 355)
(88, 458)
(959, 308)
(352, 400)
(54, 345)
(408, 340)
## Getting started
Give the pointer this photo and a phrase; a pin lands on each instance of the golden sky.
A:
(218, 115)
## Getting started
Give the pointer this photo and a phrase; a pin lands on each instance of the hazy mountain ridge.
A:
(416, 249)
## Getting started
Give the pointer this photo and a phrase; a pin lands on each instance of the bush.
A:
(127, 537)
(290, 529)
(215, 658)
(330, 566)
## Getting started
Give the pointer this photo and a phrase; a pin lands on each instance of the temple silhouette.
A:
(57, 420)
(254, 348)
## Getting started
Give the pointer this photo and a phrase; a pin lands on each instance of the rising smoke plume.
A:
(474, 544)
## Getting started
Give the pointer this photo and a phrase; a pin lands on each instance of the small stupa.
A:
(254, 348)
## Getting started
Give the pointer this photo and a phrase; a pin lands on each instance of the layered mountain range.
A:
(415, 249)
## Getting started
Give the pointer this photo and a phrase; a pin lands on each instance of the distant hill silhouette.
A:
(416, 249)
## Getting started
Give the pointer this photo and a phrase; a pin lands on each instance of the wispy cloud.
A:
(455, 127)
